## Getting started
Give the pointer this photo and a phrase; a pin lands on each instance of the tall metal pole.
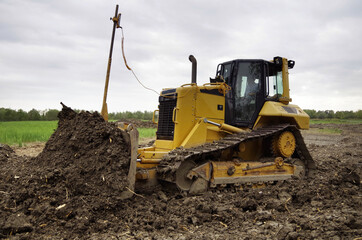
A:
(104, 111)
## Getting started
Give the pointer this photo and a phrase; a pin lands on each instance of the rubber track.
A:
(211, 151)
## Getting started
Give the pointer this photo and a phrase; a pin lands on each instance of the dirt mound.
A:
(81, 172)
(5, 152)
(85, 150)
(140, 123)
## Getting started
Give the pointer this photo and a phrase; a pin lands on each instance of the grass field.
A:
(147, 132)
(336, 121)
(22, 132)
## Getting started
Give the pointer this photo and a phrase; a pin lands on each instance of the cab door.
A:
(247, 92)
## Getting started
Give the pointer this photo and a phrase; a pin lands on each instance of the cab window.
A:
(274, 82)
(224, 70)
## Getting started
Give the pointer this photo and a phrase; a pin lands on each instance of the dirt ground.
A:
(71, 191)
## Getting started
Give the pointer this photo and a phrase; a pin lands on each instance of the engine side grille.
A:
(165, 128)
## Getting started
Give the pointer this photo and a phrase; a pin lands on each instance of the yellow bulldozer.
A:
(238, 129)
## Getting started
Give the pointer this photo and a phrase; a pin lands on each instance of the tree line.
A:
(7, 114)
(145, 115)
(328, 114)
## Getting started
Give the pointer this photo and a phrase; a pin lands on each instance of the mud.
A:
(5, 152)
(61, 194)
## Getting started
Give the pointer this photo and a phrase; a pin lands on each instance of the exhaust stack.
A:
(194, 68)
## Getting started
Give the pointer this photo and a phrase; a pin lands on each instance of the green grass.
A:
(147, 132)
(336, 121)
(21, 132)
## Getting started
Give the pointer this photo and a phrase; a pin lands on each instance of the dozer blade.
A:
(130, 134)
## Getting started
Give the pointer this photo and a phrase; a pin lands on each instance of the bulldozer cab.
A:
(253, 82)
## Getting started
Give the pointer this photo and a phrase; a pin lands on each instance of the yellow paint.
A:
(185, 118)
(163, 145)
(285, 144)
(285, 75)
(214, 133)
(273, 113)
(206, 106)
(220, 169)
(197, 135)
(231, 129)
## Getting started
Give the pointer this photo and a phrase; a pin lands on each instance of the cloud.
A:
(52, 51)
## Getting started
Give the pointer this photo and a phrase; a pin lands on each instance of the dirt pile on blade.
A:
(88, 152)
(78, 176)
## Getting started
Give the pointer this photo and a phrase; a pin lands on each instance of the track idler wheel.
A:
(188, 180)
(182, 181)
(284, 144)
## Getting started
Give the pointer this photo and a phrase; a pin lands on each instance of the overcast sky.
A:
(54, 51)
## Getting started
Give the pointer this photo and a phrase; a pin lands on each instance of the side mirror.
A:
(291, 64)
